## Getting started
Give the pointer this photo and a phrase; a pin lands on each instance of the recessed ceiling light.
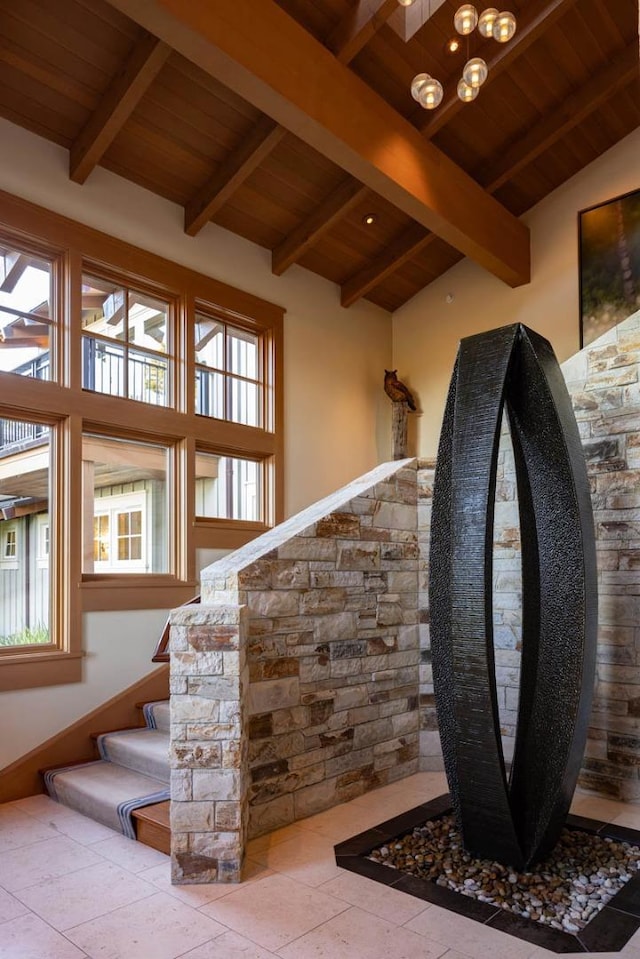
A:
(452, 45)
(369, 219)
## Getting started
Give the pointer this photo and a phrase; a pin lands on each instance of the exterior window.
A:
(43, 539)
(125, 492)
(130, 535)
(25, 313)
(228, 372)
(10, 544)
(101, 538)
(24, 504)
(125, 343)
(228, 488)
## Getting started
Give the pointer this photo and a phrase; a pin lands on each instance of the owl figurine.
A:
(396, 390)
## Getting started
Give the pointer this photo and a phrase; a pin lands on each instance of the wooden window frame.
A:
(63, 404)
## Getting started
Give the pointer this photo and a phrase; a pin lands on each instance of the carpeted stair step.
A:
(144, 750)
(156, 715)
(105, 792)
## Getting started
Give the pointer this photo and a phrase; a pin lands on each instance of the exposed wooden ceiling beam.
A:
(349, 37)
(337, 205)
(118, 103)
(232, 173)
(271, 61)
(403, 248)
(553, 126)
(535, 18)
(356, 29)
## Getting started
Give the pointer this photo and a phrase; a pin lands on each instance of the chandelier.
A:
(427, 91)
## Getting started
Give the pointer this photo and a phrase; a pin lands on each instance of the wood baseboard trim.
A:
(74, 744)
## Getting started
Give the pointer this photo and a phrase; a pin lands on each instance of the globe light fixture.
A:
(501, 26)
(466, 93)
(427, 91)
(465, 19)
(475, 72)
(486, 21)
(504, 27)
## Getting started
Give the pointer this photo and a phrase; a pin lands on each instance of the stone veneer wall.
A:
(604, 384)
(295, 683)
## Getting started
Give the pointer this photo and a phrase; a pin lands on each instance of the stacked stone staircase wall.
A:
(295, 683)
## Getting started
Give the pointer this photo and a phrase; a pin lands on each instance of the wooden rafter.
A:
(118, 103)
(337, 205)
(403, 248)
(349, 37)
(553, 126)
(231, 174)
(537, 16)
(275, 64)
(355, 29)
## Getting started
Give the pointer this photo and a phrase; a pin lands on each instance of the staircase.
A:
(127, 786)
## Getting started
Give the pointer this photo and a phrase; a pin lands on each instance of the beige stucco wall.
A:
(426, 331)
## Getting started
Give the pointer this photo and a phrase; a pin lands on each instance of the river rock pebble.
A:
(565, 891)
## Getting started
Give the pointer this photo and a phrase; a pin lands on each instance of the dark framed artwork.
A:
(609, 243)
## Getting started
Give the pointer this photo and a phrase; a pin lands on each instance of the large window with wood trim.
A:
(141, 422)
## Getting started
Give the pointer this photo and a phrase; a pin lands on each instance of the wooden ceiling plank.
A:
(406, 246)
(118, 103)
(12, 54)
(337, 205)
(231, 174)
(355, 29)
(537, 17)
(275, 64)
(555, 125)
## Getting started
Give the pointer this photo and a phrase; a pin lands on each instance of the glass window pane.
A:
(140, 324)
(103, 308)
(244, 402)
(210, 394)
(228, 488)
(242, 353)
(25, 313)
(24, 508)
(125, 489)
(103, 366)
(148, 322)
(148, 378)
(209, 342)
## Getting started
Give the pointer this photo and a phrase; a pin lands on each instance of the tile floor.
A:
(70, 888)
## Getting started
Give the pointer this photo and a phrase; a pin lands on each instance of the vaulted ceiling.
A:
(291, 121)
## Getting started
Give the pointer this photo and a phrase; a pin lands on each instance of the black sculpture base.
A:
(608, 931)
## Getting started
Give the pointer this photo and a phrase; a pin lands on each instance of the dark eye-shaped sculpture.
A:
(514, 819)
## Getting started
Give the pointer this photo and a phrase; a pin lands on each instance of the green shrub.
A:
(30, 636)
